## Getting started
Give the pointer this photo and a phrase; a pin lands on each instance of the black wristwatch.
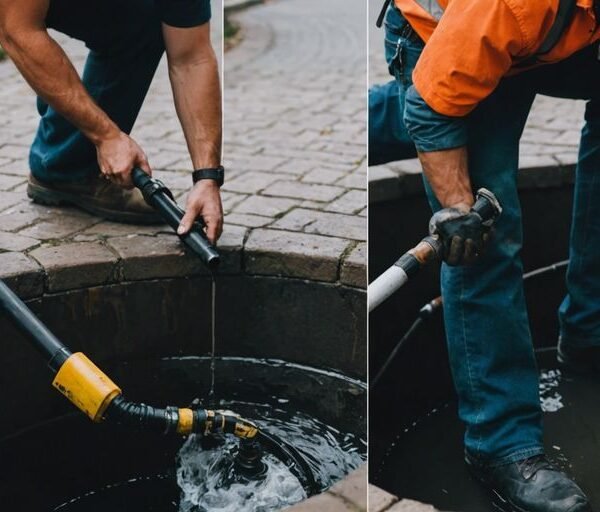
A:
(213, 173)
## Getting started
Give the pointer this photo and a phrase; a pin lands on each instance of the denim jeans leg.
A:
(579, 313)
(490, 346)
(489, 343)
(126, 45)
(388, 138)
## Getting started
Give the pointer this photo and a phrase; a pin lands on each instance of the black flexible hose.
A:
(146, 418)
(142, 417)
(292, 458)
(166, 420)
(430, 308)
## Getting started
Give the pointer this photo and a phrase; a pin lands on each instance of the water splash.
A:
(208, 480)
(551, 399)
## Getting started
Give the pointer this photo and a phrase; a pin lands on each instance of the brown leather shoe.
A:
(97, 196)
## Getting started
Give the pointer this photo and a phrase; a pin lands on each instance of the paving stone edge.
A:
(404, 179)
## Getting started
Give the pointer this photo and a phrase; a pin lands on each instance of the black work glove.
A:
(462, 233)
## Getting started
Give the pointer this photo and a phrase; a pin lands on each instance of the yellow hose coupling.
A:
(86, 386)
(185, 426)
(245, 429)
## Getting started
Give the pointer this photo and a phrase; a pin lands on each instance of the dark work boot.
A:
(97, 196)
(578, 360)
(530, 485)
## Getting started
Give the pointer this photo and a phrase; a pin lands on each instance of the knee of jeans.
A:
(592, 116)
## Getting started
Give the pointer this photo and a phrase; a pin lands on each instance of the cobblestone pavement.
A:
(382, 501)
(551, 137)
(295, 126)
(294, 95)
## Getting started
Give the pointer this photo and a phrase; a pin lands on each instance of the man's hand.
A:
(461, 232)
(118, 155)
(204, 201)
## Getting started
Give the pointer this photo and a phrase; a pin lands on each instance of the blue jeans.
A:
(125, 46)
(490, 346)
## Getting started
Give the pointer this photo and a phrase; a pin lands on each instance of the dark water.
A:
(72, 465)
(426, 461)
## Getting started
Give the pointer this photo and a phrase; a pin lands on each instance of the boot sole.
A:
(48, 197)
(499, 502)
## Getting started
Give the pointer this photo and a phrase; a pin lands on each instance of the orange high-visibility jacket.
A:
(472, 44)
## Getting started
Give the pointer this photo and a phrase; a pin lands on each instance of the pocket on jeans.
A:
(402, 47)
(394, 57)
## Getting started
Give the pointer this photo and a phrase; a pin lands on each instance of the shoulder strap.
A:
(379, 21)
(564, 16)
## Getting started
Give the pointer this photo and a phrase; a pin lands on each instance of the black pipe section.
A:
(161, 199)
(54, 352)
(409, 263)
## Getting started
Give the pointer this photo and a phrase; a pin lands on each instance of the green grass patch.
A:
(231, 29)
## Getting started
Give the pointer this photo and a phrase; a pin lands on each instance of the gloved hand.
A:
(462, 233)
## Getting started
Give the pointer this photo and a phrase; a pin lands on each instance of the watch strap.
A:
(214, 173)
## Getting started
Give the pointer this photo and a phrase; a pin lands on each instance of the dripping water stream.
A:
(213, 290)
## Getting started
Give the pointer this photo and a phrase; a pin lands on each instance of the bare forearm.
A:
(197, 94)
(447, 173)
(47, 69)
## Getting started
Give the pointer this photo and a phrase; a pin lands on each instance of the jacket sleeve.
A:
(429, 130)
(470, 51)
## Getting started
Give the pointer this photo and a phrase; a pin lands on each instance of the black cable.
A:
(292, 458)
(392, 356)
(544, 270)
(430, 308)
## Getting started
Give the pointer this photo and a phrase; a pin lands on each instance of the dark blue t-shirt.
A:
(184, 13)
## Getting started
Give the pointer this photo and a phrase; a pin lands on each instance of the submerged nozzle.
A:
(161, 199)
(249, 459)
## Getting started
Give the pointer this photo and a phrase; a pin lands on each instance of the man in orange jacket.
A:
(466, 73)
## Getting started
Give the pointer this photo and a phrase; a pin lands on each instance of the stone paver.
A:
(76, 265)
(295, 127)
(352, 270)
(295, 145)
(550, 140)
(22, 274)
(348, 495)
(382, 501)
(306, 256)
